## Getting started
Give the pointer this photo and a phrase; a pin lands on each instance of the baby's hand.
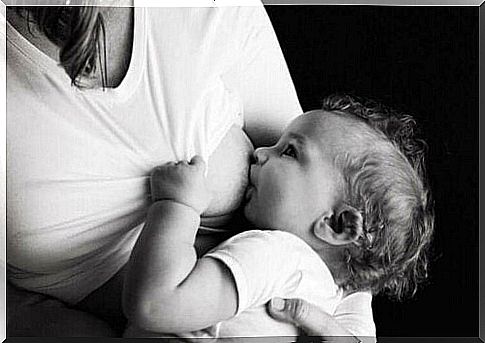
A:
(183, 182)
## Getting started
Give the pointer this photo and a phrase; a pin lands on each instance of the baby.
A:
(342, 207)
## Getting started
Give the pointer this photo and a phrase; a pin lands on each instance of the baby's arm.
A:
(166, 288)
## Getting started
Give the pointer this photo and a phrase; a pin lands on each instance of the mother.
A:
(150, 85)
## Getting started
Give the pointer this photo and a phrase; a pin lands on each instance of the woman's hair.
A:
(386, 186)
(79, 32)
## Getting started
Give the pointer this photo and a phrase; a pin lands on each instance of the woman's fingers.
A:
(311, 319)
(294, 311)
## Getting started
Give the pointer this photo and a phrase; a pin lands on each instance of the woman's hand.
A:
(183, 182)
(311, 319)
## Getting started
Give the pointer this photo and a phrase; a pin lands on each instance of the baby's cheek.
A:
(228, 173)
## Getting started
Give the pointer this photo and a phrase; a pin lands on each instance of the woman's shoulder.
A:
(207, 25)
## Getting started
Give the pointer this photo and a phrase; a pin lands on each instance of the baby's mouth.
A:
(249, 191)
(252, 176)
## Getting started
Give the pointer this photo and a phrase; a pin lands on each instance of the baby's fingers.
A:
(160, 170)
(157, 170)
(198, 162)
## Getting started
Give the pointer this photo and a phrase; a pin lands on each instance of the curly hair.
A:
(387, 187)
(79, 32)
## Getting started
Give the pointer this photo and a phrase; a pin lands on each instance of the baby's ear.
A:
(340, 227)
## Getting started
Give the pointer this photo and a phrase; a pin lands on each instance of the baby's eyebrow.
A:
(305, 145)
(301, 140)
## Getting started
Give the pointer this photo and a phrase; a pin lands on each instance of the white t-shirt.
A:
(268, 264)
(78, 160)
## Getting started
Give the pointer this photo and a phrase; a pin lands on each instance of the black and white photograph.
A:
(242, 171)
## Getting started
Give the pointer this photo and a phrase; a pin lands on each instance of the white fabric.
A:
(78, 159)
(355, 314)
(268, 264)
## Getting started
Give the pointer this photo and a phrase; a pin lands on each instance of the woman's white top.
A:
(78, 160)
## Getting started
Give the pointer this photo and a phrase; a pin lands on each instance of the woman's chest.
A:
(99, 156)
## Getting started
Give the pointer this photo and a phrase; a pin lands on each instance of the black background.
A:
(423, 60)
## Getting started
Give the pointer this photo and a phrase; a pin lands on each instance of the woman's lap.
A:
(36, 315)
(99, 314)
(106, 302)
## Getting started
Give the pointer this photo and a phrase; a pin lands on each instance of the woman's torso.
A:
(78, 160)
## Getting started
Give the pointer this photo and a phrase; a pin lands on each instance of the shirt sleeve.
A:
(354, 313)
(261, 265)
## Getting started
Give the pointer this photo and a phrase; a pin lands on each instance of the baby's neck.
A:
(333, 256)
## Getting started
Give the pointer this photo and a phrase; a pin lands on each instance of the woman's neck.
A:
(32, 34)
(119, 23)
(119, 42)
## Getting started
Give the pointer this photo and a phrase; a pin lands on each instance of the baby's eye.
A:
(290, 151)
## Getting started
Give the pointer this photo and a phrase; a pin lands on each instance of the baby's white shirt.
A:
(264, 265)
(268, 264)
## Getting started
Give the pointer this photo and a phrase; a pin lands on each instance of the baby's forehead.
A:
(319, 123)
(336, 132)
(330, 120)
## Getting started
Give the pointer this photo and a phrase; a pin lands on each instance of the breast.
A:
(228, 173)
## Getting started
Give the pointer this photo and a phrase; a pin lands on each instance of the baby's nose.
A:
(252, 158)
(260, 155)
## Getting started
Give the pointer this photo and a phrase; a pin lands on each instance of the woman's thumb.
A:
(310, 319)
(292, 311)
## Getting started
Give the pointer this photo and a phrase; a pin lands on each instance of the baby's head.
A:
(348, 179)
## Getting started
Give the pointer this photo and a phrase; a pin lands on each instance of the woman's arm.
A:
(267, 91)
(166, 288)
